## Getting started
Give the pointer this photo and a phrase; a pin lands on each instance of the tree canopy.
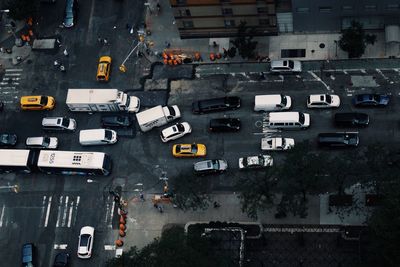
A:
(21, 9)
(244, 42)
(354, 40)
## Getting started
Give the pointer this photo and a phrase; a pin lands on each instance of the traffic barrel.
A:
(212, 57)
(219, 55)
(122, 233)
(122, 227)
(122, 220)
(119, 243)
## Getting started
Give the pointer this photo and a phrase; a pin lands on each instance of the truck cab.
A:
(129, 103)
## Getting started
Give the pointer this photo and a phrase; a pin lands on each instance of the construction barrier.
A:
(122, 233)
(122, 220)
(119, 243)
(122, 227)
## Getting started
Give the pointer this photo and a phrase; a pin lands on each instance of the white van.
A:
(288, 120)
(285, 66)
(272, 102)
(95, 137)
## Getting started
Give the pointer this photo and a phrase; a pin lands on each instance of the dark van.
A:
(351, 119)
(224, 125)
(216, 104)
(346, 139)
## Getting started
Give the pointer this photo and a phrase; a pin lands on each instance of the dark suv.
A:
(216, 104)
(338, 139)
(224, 125)
(351, 119)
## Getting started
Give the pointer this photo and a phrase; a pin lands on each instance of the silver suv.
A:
(42, 142)
(210, 166)
(58, 124)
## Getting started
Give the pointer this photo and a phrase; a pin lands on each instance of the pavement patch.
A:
(363, 81)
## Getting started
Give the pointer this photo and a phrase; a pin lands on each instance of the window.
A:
(229, 23)
(302, 10)
(187, 12)
(347, 8)
(262, 10)
(227, 11)
(188, 24)
(263, 22)
(325, 9)
(370, 7)
(393, 7)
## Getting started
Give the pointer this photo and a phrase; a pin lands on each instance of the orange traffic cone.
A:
(122, 227)
(219, 55)
(122, 220)
(122, 233)
(212, 57)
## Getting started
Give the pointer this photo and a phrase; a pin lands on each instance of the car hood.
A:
(384, 99)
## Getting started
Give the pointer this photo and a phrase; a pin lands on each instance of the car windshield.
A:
(328, 98)
(194, 148)
(43, 100)
(284, 101)
(215, 164)
(171, 111)
(291, 64)
(108, 135)
(46, 141)
(65, 122)
(180, 128)
(84, 240)
(302, 118)
(120, 119)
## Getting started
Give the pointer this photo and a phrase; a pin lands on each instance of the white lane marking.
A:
(383, 75)
(12, 74)
(71, 208)
(76, 209)
(11, 79)
(107, 210)
(64, 220)
(332, 77)
(319, 79)
(363, 71)
(345, 72)
(60, 246)
(7, 88)
(13, 83)
(59, 211)
(111, 214)
(109, 247)
(2, 215)
(48, 212)
(43, 210)
(11, 70)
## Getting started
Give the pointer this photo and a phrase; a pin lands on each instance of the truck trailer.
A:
(157, 116)
(101, 100)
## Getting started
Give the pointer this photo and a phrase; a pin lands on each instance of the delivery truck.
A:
(157, 116)
(101, 100)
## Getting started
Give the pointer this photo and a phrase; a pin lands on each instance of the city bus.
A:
(17, 160)
(74, 163)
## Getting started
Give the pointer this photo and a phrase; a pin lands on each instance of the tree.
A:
(257, 192)
(243, 42)
(354, 40)
(21, 9)
(190, 192)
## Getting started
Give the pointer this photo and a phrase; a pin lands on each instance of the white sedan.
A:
(175, 131)
(323, 101)
(255, 162)
(277, 143)
(85, 244)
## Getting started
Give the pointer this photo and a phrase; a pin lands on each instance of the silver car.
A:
(42, 142)
(210, 166)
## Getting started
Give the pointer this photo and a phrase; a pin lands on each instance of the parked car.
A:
(85, 244)
(42, 142)
(371, 100)
(255, 162)
(61, 260)
(175, 131)
(189, 150)
(58, 124)
(116, 121)
(210, 166)
(7, 140)
(351, 119)
(345, 139)
(285, 66)
(216, 104)
(323, 101)
(225, 125)
(277, 143)
(28, 255)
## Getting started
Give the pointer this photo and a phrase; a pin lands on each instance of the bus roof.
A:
(14, 157)
(70, 159)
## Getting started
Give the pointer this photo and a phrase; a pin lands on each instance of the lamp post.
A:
(336, 44)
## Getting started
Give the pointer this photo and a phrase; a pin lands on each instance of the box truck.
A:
(157, 116)
(101, 100)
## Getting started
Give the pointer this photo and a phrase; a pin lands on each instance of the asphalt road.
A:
(50, 210)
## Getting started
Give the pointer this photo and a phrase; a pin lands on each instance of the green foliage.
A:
(354, 40)
(21, 9)
(243, 42)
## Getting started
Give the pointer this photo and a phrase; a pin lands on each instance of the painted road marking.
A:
(65, 211)
(2, 215)
(43, 210)
(109, 247)
(71, 208)
(11, 70)
(48, 212)
(59, 211)
(60, 246)
(76, 209)
(111, 214)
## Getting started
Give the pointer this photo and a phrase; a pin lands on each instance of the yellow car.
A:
(104, 69)
(37, 102)
(189, 150)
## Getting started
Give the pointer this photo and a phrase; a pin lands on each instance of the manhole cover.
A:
(321, 45)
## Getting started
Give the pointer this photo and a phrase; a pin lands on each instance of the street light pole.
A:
(336, 44)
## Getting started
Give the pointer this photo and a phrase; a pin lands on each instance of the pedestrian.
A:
(158, 8)
(167, 44)
(99, 40)
(142, 197)
(105, 41)
(56, 63)
(216, 204)
(262, 76)
(215, 44)
(225, 54)
(160, 209)
(65, 52)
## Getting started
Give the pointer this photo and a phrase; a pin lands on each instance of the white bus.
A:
(74, 163)
(17, 160)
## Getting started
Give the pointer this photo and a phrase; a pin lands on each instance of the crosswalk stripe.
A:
(2, 215)
(59, 211)
(71, 208)
(11, 70)
(76, 209)
(48, 212)
(43, 210)
(60, 246)
(65, 211)
(12, 74)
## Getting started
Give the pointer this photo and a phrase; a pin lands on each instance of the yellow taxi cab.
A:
(189, 150)
(37, 102)
(104, 69)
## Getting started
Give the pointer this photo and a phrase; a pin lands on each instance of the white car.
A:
(85, 244)
(277, 143)
(255, 162)
(43, 142)
(175, 131)
(323, 101)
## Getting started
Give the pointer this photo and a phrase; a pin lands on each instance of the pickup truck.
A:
(276, 143)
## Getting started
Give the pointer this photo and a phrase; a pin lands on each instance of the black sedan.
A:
(116, 121)
(351, 119)
(7, 140)
(346, 139)
(61, 260)
(371, 100)
(225, 125)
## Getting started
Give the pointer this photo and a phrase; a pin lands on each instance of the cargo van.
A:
(272, 102)
(288, 120)
(95, 137)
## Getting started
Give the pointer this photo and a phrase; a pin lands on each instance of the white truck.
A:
(276, 143)
(157, 116)
(101, 100)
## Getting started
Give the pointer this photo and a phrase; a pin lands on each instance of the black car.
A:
(28, 255)
(7, 140)
(116, 121)
(61, 260)
(216, 104)
(371, 100)
(225, 125)
(351, 119)
(338, 139)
